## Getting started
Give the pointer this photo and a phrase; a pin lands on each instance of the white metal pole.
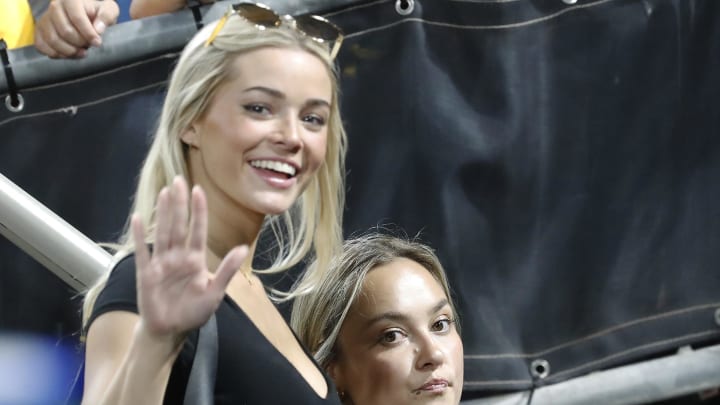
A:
(45, 236)
(687, 372)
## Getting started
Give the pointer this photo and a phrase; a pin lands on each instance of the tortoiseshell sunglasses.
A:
(315, 27)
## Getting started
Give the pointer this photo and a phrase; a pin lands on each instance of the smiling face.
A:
(398, 344)
(264, 133)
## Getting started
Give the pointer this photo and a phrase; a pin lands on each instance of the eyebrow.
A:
(314, 102)
(267, 90)
(397, 316)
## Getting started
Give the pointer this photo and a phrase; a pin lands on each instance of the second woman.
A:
(383, 324)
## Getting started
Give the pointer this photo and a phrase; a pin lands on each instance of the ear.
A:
(190, 136)
(334, 370)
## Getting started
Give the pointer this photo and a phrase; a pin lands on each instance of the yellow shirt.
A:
(16, 23)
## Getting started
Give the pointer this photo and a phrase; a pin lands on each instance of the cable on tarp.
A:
(14, 100)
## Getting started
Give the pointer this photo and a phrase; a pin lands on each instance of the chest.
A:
(261, 362)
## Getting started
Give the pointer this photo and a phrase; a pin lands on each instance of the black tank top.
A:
(251, 371)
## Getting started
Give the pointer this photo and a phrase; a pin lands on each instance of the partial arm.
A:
(124, 364)
(147, 8)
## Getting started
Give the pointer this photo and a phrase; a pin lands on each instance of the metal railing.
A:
(687, 372)
(34, 228)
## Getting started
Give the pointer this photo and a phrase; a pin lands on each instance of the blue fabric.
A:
(124, 10)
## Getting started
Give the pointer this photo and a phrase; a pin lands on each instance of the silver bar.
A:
(687, 372)
(64, 250)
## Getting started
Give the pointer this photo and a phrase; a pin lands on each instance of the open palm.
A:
(176, 290)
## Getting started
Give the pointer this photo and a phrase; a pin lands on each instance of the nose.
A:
(429, 352)
(288, 134)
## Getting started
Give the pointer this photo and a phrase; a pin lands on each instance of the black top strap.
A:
(201, 382)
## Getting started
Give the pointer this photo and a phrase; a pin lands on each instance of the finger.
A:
(64, 27)
(48, 41)
(227, 269)
(142, 255)
(81, 52)
(198, 222)
(107, 15)
(163, 218)
(42, 46)
(80, 14)
(178, 227)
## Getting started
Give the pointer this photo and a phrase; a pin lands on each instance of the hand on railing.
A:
(69, 27)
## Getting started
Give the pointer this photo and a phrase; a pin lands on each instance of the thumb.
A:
(228, 267)
(105, 14)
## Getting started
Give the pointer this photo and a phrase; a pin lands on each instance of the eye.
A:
(391, 336)
(314, 119)
(442, 325)
(259, 109)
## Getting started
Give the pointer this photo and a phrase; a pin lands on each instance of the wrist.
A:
(166, 345)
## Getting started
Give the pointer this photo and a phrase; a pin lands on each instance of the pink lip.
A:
(435, 385)
(275, 180)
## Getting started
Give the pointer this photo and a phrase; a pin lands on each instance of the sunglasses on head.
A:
(315, 27)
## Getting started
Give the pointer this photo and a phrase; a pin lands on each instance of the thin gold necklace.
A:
(247, 277)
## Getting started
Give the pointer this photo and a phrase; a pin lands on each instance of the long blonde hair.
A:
(313, 225)
(318, 317)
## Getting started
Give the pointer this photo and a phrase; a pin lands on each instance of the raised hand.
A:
(176, 290)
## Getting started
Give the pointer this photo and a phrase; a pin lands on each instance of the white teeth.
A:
(274, 166)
